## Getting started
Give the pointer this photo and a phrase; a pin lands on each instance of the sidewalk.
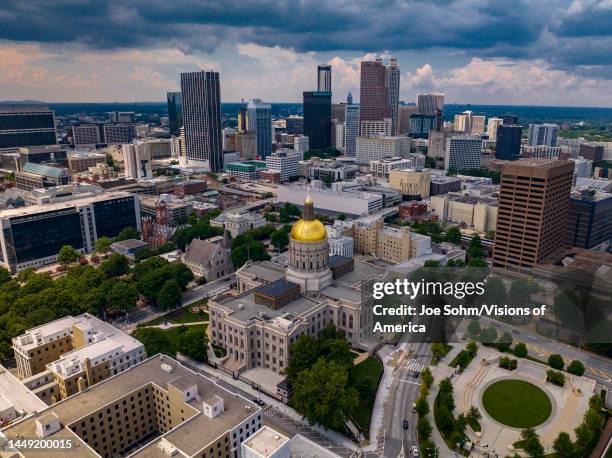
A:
(283, 408)
(436, 437)
(381, 397)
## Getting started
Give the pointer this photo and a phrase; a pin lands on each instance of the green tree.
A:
(424, 428)
(453, 235)
(471, 347)
(427, 377)
(438, 350)
(563, 446)
(475, 248)
(504, 342)
(193, 342)
(431, 263)
(473, 414)
(474, 328)
(280, 240)
(5, 275)
(169, 295)
(67, 255)
(488, 335)
(288, 212)
(121, 296)
(576, 367)
(322, 396)
(342, 217)
(126, 234)
(155, 341)
(304, 353)
(115, 265)
(422, 407)
(103, 245)
(556, 361)
(520, 350)
(531, 443)
(254, 251)
(477, 262)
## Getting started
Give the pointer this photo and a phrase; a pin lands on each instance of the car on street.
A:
(259, 402)
(405, 424)
(415, 450)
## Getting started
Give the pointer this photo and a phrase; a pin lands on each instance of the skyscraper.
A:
(324, 75)
(26, 126)
(137, 160)
(508, 142)
(589, 219)
(351, 128)
(373, 99)
(202, 118)
(349, 99)
(510, 119)
(543, 134)
(175, 112)
(492, 126)
(429, 103)
(259, 120)
(533, 205)
(393, 85)
(463, 152)
(317, 119)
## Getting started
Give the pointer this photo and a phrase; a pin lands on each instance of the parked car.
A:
(405, 424)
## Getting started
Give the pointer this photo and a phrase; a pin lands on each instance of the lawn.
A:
(369, 371)
(179, 316)
(517, 403)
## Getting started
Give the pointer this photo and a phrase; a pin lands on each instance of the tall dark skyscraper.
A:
(509, 119)
(373, 99)
(317, 119)
(324, 75)
(589, 219)
(202, 118)
(175, 112)
(26, 126)
(508, 142)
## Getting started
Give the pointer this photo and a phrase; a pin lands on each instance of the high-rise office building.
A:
(121, 116)
(324, 78)
(259, 120)
(463, 122)
(543, 134)
(115, 134)
(591, 151)
(508, 142)
(294, 125)
(201, 96)
(87, 135)
(420, 125)
(533, 203)
(393, 87)
(373, 99)
(463, 152)
(589, 219)
(175, 112)
(339, 135)
(428, 104)
(26, 126)
(317, 119)
(351, 128)
(349, 99)
(405, 113)
(510, 119)
(477, 125)
(492, 126)
(376, 128)
(137, 160)
(32, 236)
(338, 111)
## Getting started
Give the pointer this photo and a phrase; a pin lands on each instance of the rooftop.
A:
(266, 441)
(45, 170)
(77, 201)
(189, 436)
(16, 394)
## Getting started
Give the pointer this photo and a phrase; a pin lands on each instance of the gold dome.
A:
(308, 231)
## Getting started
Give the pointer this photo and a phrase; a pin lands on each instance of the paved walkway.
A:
(170, 325)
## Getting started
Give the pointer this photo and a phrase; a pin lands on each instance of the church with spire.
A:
(276, 302)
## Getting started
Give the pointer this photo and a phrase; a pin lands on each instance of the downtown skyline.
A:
(536, 53)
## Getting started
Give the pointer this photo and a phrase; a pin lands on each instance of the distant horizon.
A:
(24, 102)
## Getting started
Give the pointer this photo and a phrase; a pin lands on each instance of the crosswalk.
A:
(413, 365)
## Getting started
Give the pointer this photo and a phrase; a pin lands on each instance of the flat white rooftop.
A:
(266, 441)
(16, 394)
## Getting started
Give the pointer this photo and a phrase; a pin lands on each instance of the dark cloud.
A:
(547, 29)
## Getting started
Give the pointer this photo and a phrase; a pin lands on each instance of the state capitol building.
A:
(275, 304)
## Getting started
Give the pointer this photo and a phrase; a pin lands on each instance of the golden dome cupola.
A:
(308, 229)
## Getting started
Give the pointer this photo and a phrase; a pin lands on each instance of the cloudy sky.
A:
(537, 52)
